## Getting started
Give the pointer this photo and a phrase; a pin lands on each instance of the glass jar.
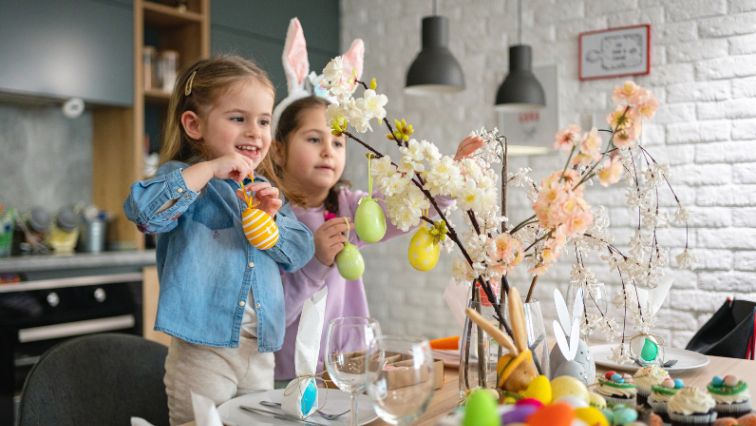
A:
(478, 352)
(168, 69)
(149, 63)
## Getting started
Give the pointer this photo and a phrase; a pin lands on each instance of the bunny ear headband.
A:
(300, 81)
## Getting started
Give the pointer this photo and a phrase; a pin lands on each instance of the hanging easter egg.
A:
(350, 263)
(423, 251)
(259, 228)
(369, 220)
(425, 246)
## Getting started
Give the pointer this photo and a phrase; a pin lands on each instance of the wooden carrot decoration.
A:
(259, 228)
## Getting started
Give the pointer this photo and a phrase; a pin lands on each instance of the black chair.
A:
(102, 379)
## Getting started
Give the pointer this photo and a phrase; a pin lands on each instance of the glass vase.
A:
(537, 341)
(478, 353)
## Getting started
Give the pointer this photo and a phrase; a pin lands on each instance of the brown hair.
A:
(198, 87)
(289, 122)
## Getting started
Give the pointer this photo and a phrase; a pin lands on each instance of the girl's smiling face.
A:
(315, 158)
(238, 122)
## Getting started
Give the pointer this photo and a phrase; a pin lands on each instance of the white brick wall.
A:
(704, 72)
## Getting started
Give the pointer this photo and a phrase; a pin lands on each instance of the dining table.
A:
(446, 398)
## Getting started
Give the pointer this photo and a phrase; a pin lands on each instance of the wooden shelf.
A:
(163, 16)
(157, 96)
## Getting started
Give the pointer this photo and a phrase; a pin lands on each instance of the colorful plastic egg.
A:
(608, 375)
(717, 381)
(596, 400)
(624, 415)
(529, 401)
(259, 228)
(574, 401)
(350, 263)
(519, 414)
(423, 251)
(591, 416)
(539, 388)
(559, 414)
(568, 386)
(480, 410)
(369, 220)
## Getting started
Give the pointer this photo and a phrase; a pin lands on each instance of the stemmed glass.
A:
(347, 344)
(400, 378)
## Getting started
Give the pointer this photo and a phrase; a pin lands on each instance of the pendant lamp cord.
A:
(519, 21)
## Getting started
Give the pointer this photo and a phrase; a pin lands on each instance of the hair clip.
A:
(189, 81)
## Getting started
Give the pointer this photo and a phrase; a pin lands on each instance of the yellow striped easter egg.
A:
(259, 228)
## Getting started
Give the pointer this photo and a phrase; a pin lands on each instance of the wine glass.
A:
(346, 347)
(400, 378)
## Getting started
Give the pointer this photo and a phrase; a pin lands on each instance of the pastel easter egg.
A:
(350, 263)
(591, 416)
(717, 381)
(624, 415)
(558, 414)
(480, 410)
(679, 384)
(423, 251)
(568, 386)
(369, 220)
(596, 400)
(615, 377)
(608, 375)
(259, 228)
(539, 388)
(574, 401)
(519, 414)
(668, 383)
(730, 380)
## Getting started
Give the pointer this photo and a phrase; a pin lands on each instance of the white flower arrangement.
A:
(490, 245)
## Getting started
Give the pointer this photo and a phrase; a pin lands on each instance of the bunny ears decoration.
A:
(570, 324)
(302, 83)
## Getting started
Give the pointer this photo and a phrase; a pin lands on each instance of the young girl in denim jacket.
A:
(220, 298)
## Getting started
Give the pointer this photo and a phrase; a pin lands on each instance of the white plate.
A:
(686, 360)
(331, 400)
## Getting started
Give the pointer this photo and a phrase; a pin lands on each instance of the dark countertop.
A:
(33, 263)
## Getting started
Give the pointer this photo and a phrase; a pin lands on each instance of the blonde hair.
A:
(197, 89)
(289, 122)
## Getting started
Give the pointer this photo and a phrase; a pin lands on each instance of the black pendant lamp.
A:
(520, 91)
(434, 70)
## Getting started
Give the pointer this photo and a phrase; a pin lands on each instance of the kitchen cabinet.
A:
(68, 48)
(119, 136)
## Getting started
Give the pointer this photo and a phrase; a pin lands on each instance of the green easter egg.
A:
(369, 221)
(350, 263)
(480, 409)
(650, 350)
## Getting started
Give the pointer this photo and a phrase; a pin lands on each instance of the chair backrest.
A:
(102, 379)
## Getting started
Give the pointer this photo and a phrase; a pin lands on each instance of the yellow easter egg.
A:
(591, 416)
(568, 386)
(259, 228)
(423, 251)
(540, 389)
(596, 400)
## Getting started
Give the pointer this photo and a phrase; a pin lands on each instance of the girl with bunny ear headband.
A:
(310, 160)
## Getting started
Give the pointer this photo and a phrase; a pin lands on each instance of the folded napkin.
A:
(301, 394)
(205, 413)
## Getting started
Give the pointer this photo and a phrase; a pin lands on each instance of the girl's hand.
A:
(330, 239)
(468, 146)
(266, 197)
(232, 166)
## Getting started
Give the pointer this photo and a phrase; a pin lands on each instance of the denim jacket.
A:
(205, 264)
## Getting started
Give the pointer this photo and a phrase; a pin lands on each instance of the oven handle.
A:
(34, 334)
(71, 282)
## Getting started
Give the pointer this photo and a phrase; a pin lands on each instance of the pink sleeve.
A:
(301, 285)
(349, 200)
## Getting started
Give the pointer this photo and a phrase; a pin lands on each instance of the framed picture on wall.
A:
(615, 52)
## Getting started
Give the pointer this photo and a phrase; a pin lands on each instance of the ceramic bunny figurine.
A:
(573, 358)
